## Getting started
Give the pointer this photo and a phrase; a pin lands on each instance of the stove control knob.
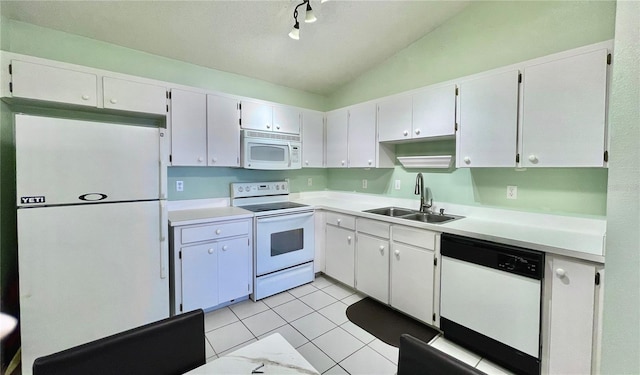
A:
(240, 189)
(247, 188)
(283, 186)
(277, 187)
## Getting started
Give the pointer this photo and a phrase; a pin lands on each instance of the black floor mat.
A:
(385, 323)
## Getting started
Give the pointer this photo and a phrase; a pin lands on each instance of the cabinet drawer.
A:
(416, 237)
(214, 231)
(373, 227)
(341, 220)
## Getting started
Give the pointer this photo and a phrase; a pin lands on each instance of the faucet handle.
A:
(442, 211)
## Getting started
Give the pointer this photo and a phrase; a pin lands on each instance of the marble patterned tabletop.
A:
(270, 355)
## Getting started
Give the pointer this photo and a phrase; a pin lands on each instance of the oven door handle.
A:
(272, 219)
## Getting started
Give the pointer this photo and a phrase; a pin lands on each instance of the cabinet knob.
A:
(278, 127)
(349, 238)
(113, 101)
(218, 231)
(214, 160)
(338, 221)
(417, 131)
(405, 133)
(85, 97)
(533, 158)
(381, 249)
(225, 247)
(306, 162)
(210, 251)
(467, 160)
(268, 126)
(200, 159)
(561, 272)
(397, 253)
(369, 161)
(342, 162)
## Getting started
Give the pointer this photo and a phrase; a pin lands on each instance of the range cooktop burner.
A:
(272, 206)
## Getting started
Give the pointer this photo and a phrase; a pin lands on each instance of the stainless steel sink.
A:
(404, 213)
(391, 211)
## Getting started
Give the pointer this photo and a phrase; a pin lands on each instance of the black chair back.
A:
(417, 357)
(170, 346)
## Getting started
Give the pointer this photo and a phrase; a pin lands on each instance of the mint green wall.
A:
(24, 38)
(485, 35)
(621, 325)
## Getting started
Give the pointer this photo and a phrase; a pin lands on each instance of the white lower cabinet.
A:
(412, 268)
(340, 239)
(571, 325)
(372, 259)
(210, 263)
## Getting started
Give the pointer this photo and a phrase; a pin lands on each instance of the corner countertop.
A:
(576, 237)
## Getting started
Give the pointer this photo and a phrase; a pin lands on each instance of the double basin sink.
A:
(425, 217)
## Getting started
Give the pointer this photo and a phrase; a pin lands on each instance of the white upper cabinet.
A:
(434, 112)
(488, 121)
(42, 82)
(361, 137)
(312, 139)
(188, 128)
(264, 116)
(394, 118)
(564, 105)
(337, 133)
(223, 132)
(133, 96)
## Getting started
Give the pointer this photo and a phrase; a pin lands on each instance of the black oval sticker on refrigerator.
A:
(92, 197)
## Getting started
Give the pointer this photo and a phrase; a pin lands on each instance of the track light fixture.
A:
(309, 17)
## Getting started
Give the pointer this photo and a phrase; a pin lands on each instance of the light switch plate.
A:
(309, 181)
(179, 186)
(397, 185)
(364, 183)
(512, 192)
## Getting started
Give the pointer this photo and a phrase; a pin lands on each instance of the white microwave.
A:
(270, 150)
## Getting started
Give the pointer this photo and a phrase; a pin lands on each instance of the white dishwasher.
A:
(490, 300)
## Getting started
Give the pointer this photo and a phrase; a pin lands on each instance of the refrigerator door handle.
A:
(164, 246)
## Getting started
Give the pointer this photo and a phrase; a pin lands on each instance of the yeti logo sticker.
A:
(31, 200)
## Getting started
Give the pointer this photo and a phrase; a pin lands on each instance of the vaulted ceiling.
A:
(250, 37)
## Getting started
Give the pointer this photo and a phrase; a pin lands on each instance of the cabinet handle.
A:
(467, 160)
(225, 247)
(210, 251)
(218, 231)
(381, 249)
(417, 131)
(405, 133)
(561, 272)
(533, 158)
(113, 101)
(397, 253)
(85, 97)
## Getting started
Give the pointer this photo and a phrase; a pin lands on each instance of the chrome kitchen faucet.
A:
(425, 193)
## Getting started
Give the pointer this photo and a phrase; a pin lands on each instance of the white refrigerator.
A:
(92, 231)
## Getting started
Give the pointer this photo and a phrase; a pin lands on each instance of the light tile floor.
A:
(312, 318)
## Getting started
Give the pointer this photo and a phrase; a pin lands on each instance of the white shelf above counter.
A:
(430, 161)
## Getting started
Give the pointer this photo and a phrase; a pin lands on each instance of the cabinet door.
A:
(488, 121)
(337, 133)
(340, 254)
(188, 128)
(372, 267)
(132, 96)
(362, 136)
(257, 116)
(312, 139)
(412, 281)
(286, 119)
(434, 112)
(395, 118)
(199, 278)
(234, 269)
(571, 316)
(223, 132)
(41, 82)
(564, 112)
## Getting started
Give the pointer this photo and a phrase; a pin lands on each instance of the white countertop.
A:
(277, 355)
(576, 237)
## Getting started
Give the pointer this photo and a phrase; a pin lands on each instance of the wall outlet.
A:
(179, 186)
(364, 183)
(512, 192)
(397, 185)
(309, 181)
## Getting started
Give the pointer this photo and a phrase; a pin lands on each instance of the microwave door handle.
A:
(289, 146)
